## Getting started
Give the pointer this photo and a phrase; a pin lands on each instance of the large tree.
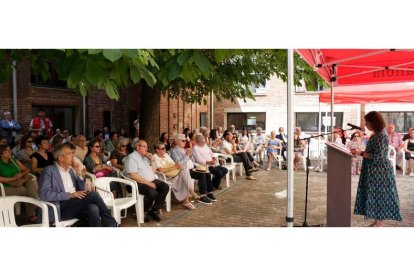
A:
(190, 74)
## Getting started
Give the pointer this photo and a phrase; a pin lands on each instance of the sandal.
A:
(189, 206)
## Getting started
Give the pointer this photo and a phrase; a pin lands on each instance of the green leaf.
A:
(184, 56)
(94, 51)
(112, 54)
(147, 75)
(202, 62)
(134, 73)
(94, 72)
(174, 71)
(111, 90)
(131, 53)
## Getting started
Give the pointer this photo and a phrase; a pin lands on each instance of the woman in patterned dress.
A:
(377, 196)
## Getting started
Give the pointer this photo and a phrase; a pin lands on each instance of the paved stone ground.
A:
(254, 204)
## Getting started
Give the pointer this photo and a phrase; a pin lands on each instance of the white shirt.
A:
(67, 179)
(202, 154)
(226, 145)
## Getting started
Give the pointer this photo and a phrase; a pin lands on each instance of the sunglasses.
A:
(29, 141)
(161, 148)
(123, 146)
(96, 146)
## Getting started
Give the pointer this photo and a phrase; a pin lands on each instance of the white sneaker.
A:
(411, 174)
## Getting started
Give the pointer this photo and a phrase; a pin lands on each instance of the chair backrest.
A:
(7, 216)
(102, 185)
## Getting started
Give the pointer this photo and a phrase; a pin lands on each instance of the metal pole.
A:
(14, 91)
(290, 125)
(332, 113)
(84, 115)
(211, 110)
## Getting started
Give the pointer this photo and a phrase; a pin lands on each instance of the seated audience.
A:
(42, 158)
(283, 137)
(185, 158)
(274, 147)
(395, 140)
(409, 151)
(26, 150)
(356, 146)
(203, 155)
(164, 139)
(259, 142)
(16, 180)
(180, 179)
(95, 164)
(299, 147)
(214, 142)
(238, 156)
(138, 168)
(245, 142)
(81, 148)
(60, 186)
(110, 144)
(118, 155)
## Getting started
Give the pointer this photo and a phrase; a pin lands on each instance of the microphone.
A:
(354, 127)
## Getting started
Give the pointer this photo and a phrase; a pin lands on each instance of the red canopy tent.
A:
(374, 93)
(361, 66)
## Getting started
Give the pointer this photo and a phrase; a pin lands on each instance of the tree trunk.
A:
(149, 115)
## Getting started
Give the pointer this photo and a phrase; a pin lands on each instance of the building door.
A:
(62, 117)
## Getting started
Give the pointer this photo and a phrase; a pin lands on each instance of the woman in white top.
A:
(180, 179)
(245, 142)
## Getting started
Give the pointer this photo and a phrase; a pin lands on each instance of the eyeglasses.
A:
(96, 146)
(123, 146)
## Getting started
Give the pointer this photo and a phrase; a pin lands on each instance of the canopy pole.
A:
(290, 125)
(332, 113)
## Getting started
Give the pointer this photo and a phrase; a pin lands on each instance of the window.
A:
(249, 120)
(203, 119)
(308, 121)
(259, 88)
(402, 120)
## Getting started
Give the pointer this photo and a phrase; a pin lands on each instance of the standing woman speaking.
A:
(377, 196)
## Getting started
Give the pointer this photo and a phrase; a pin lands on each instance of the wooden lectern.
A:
(339, 186)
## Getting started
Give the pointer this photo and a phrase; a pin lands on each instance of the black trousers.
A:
(204, 182)
(154, 198)
(247, 161)
(218, 173)
(91, 207)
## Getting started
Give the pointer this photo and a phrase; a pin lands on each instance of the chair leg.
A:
(138, 214)
(233, 171)
(241, 169)
(18, 208)
(228, 179)
(140, 209)
(168, 201)
(117, 215)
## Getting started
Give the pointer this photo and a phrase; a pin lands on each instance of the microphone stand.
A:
(308, 163)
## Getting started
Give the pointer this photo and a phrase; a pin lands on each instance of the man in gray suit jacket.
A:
(59, 185)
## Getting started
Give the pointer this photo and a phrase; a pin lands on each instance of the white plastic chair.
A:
(404, 165)
(58, 222)
(163, 178)
(18, 205)
(392, 156)
(116, 205)
(140, 199)
(7, 213)
(230, 167)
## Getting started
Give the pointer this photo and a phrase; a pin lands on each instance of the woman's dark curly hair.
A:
(376, 120)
